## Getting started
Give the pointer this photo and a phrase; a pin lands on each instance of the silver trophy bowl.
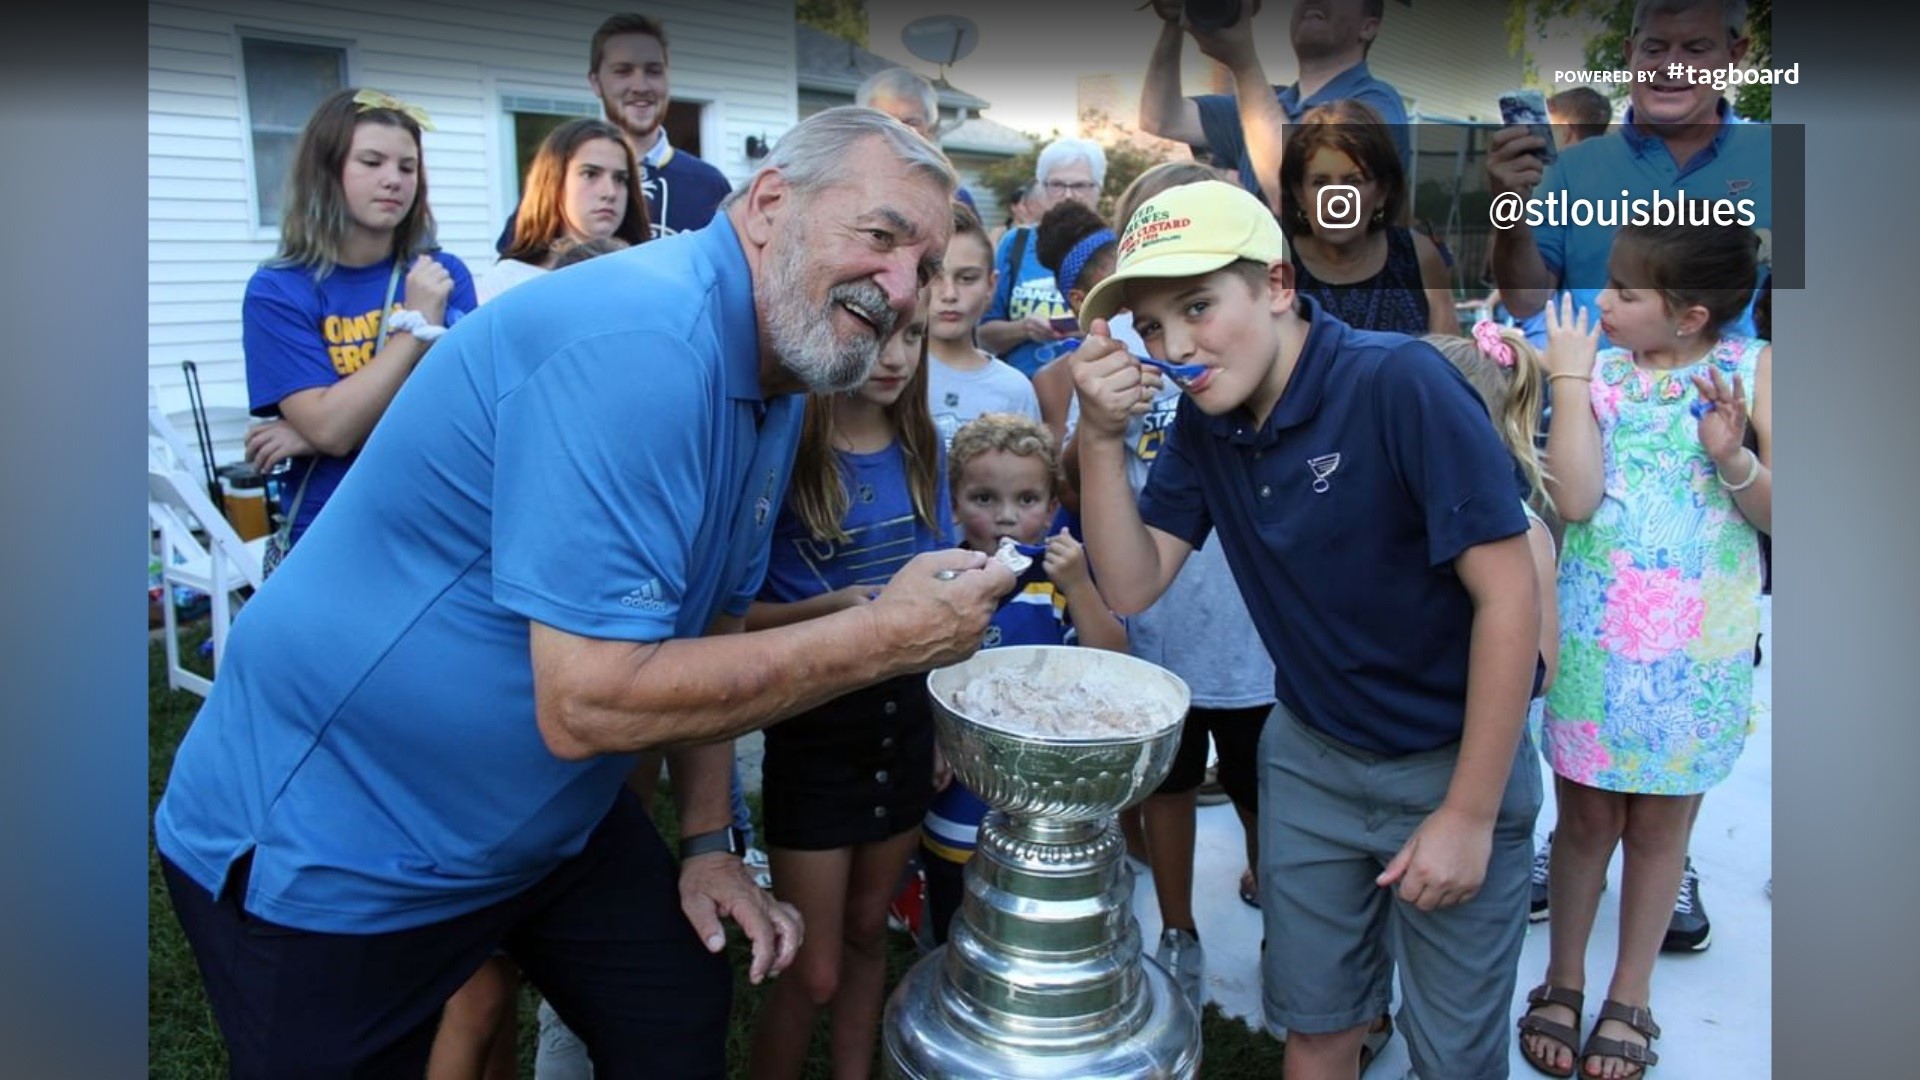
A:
(1042, 975)
(1064, 778)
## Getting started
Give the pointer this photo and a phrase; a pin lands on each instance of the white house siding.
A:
(454, 60)
(971, 166)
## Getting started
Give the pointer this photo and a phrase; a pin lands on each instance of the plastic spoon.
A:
(1181, 374)
(1012, 554)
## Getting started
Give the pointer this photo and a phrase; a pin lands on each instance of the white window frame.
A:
(511, 98)
(713, 132)
(241, 35)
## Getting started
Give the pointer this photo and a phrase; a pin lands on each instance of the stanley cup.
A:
(1042, 975)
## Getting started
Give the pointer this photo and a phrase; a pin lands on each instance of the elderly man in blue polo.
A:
(417, 749)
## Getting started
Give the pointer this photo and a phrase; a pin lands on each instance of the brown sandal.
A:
(1635, 1017)
(1567, 1036)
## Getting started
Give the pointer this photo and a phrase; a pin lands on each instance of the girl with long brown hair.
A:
(845, 785)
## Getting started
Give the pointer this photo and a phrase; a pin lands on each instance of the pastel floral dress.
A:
(1659, 594)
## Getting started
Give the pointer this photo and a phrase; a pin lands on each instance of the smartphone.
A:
(1065, 324)
(1529, 107)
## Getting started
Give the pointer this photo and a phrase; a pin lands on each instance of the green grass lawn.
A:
(184, 1044)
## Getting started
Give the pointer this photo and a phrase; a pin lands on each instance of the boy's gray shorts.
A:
(1331, 817)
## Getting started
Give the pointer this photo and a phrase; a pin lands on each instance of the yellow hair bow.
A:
(377, 99)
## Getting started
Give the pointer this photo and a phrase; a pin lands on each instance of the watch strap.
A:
(706, 843)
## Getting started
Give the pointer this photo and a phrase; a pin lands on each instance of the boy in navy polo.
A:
(1369, 515)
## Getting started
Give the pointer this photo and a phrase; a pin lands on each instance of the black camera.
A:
(1213, 14)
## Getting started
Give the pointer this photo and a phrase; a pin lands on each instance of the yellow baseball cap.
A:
(1187, 231)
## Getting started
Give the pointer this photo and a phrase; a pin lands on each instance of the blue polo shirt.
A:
(590, 451)
(1341, 518)
(1737, 164)
(1220, 116)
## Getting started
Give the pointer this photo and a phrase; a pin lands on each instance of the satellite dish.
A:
(941, 39)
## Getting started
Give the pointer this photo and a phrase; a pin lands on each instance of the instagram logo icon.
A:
(1337, 206)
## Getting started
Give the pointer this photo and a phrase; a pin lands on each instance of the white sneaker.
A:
(1181, 954)
(756, 861)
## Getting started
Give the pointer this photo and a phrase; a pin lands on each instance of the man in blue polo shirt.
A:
(1678, 138)
(1368, 512)
(416, 749)
(1331, 39)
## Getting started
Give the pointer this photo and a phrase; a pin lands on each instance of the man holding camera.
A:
(1330, 43)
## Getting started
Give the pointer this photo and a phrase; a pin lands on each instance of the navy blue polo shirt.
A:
(1341, 518)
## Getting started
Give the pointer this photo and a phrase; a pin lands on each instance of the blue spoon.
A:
(1181, 374)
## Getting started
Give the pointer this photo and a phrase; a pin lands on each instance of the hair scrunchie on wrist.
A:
(412, 322)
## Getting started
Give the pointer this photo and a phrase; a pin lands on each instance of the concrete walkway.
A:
(1715, 1008)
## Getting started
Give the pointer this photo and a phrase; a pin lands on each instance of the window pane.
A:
(272, 157)
(285, 83)
(683, 127)
(529, 131)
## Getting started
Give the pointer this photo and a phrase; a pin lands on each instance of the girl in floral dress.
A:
(1659, 596)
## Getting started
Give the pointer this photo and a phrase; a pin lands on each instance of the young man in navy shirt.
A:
(1368, 511)
(628, 71)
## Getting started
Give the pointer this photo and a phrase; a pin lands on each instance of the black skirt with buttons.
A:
(856, 770)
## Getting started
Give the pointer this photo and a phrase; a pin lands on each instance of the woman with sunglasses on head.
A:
(359, 290)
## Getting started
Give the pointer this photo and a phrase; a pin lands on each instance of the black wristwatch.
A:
(728, 840)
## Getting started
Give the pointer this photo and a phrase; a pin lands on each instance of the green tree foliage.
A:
(845, 19)
(1756, 102)
(1005, 176)
(1612, 22)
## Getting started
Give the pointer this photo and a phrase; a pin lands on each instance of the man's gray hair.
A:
(1062, 151)
(813, 155)
(1733, 14)
(899, 84)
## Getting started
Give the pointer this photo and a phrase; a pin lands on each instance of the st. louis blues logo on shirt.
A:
(1323, 467)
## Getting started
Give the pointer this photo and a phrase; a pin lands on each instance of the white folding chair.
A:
(198, 547)
(226, 432)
